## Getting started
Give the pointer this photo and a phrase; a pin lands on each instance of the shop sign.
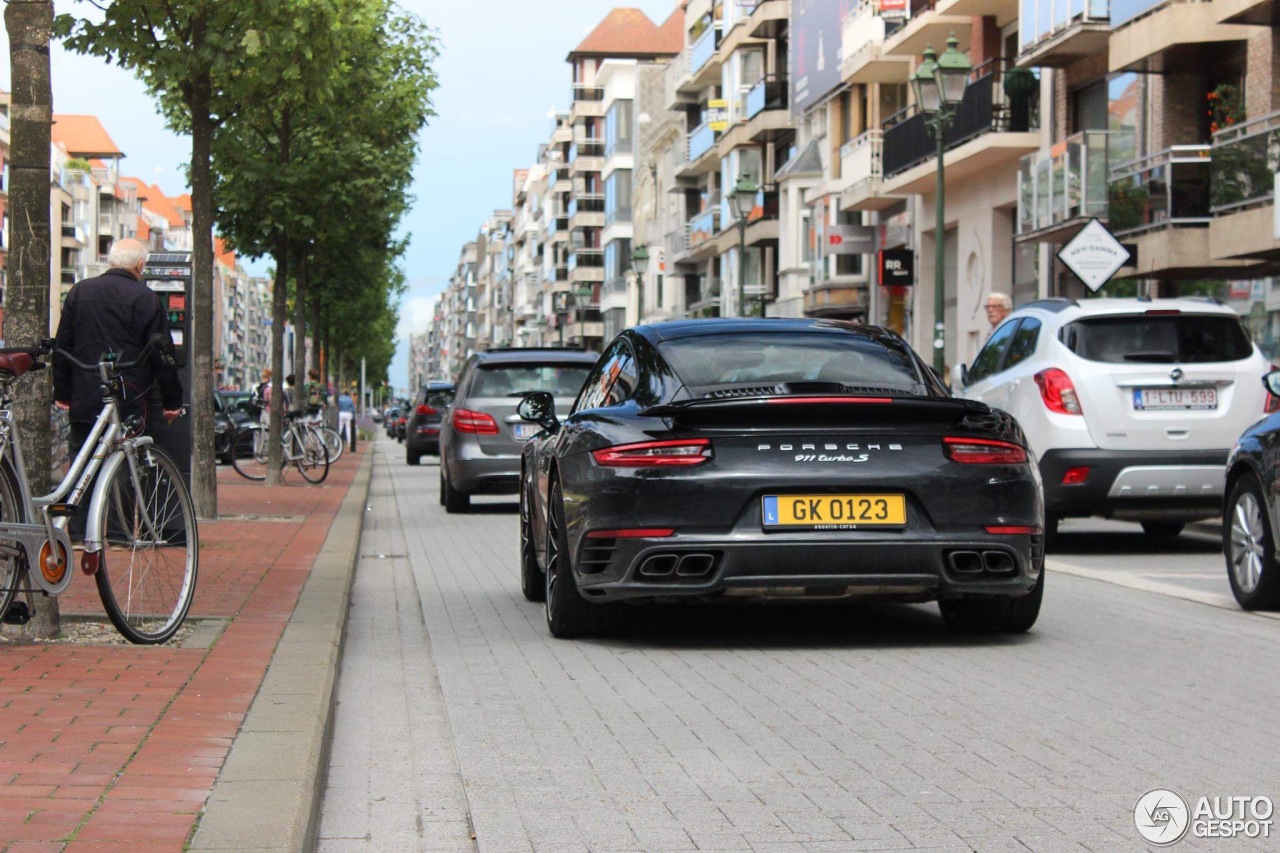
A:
(1094, 255)
(897, 268)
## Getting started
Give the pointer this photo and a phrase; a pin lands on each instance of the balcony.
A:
(702, 296)
(677, 243)
(1155, 36)
(995, 125)
(926, 27)
(736, 33)
(1264, 13)
(769, 18)
(703, 228)
(862, 45)
(765, 107)
(836, 298)
(702, 141)
(1004, 11)
(586, 210)
(677, 82)
(586, 155)
(1245, 160)
(73, 236)
(862, 167)
(1060, 190)
(618, 216)
(703, 48)
(582, 93)
(1055, 33)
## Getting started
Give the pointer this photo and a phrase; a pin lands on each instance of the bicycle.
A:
(140, 512)
(303, 447)
(332, 438)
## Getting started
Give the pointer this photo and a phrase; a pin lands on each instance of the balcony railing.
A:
(586, 203)
(1041, 20)
(1123, 11)
(701, 51)
(621, 214)
(617, 146)
(677, 242)
(863, 31)
(1245, 159)
(586, 148)
(768, 94)
(704, 226)
(999, 99)
(586, 258)
(1168, 188)
(701, 140)
(765, 206)
(862, 158)
(1070, 181)
(583, 92)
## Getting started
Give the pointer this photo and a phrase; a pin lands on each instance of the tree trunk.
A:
(26, 322)
(204, 478)
(319, 353)
(279, 313)
(300, 329)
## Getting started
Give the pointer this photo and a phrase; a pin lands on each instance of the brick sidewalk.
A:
(108, 747)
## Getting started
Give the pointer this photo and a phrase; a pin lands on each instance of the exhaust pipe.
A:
(965, 562)
(998, 562)
(659, 566)
(695, 565)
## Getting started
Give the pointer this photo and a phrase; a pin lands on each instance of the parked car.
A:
(1129, 405)
(1250, 512)
(230, 410)
(422, 433)
(711, 460)
(481, 439)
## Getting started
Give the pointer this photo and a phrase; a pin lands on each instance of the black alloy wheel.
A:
(533, 581)
(454, 501)
(569, 615)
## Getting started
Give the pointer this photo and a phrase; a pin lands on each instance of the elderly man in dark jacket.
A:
(114, 312)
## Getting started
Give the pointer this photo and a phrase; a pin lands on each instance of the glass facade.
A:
(618, 131)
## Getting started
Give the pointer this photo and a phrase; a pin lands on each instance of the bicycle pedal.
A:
(63, 510)
(17, 614)
(89, 562)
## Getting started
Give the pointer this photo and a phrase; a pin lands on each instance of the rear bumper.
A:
(770, 566)
(492, 475)
(423, 439)
(1135, 484)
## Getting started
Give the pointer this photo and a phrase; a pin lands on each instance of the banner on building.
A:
(850, 239)
(897, 268)
(718, 115)
(894, 10)
(814, 58)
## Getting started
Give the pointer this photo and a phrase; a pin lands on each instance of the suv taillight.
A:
(1058, 393)
(655, 454)
(425, 410)
(476, 423)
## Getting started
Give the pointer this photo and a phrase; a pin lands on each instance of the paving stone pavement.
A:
(832, 728)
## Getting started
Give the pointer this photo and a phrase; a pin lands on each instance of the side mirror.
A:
(540, 408)
(959, 376)
(1271, 382)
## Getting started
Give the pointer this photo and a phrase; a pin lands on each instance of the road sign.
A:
(1094, 255)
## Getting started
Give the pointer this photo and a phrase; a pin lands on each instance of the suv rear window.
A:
(754, 358)
(512, 380)
(1184, 338)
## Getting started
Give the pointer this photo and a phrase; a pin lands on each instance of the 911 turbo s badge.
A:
(826, 452)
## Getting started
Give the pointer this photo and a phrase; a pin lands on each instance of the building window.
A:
(617, 128)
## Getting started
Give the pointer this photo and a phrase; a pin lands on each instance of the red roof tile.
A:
(627, 33)
(83, 136)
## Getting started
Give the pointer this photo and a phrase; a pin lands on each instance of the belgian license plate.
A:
(1151, 399)
(835, 512)
(524, 432)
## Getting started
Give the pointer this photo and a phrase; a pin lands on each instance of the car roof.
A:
(1070, 309)
(542, 355)
(677, 329)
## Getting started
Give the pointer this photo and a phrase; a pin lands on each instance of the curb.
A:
(268, 795)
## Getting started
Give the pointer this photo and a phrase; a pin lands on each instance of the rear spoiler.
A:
(904, 405)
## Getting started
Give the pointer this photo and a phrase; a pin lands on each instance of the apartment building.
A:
(458, 304)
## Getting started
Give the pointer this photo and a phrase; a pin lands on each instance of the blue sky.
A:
(501, 70)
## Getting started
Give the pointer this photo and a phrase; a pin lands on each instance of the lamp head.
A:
(743, 199)
(952, 73)
(924, 83)
(640, 260)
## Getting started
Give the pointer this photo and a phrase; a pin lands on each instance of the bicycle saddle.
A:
(17, 363)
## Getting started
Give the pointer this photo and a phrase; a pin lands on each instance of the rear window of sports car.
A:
(1156, 339)
(857, 362)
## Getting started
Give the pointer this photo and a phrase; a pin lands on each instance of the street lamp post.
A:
(742, 201)
(640, 265)
(939, 86)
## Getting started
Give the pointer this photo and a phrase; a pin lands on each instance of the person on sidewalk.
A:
(998, 306)
(346, 419)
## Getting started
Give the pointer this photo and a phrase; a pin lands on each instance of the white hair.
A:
(127, 254)
(1001, 299)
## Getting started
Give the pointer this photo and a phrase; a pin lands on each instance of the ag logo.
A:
(1161, 816)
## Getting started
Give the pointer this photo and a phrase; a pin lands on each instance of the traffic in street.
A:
(835, 726)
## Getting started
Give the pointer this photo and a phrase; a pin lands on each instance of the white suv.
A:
(1130, 405)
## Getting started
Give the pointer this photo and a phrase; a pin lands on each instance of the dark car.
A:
(481, 439)
(1249, 512)
(391, 421)
(230, 410)
(426, 415)
(776, 459)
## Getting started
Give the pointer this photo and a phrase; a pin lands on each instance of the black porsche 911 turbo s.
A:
(776, 459)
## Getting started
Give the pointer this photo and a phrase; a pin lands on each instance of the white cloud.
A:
(415, 316)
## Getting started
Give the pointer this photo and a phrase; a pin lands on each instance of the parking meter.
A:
(169, 274)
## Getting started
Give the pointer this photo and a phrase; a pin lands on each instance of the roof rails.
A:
(1053, 303)
(570, 347)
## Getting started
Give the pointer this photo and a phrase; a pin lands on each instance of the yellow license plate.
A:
(835, 512)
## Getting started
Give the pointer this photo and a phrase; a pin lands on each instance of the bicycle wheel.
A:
(310, 455)
(12, 565)
(252, 467)
(147, 574)
(333, 443)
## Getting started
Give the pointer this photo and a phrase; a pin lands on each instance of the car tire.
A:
(1249, 545)
(569, 615)
(994, 615)
(533, 581)
(1051, 531)
(410, 457)
(1163, 529)
(454, 501)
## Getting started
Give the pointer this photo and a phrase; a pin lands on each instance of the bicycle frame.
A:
(104, 450)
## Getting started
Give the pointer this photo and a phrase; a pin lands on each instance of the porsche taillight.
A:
(476, 423)
(655, 454)
(983, 451)
(1058, 393)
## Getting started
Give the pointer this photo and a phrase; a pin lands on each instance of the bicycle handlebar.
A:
(158, 341)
